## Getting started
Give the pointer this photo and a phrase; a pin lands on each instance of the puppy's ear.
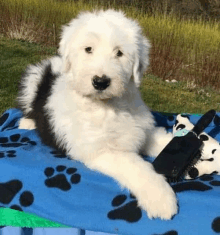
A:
(67, 37)
(66, 64)
(67, 32)
(141, 60)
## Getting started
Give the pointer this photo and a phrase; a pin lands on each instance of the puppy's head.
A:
(102, 51)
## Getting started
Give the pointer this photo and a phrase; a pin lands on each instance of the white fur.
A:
(107, 130)
(26, 123)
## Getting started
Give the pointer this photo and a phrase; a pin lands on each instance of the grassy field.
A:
(158, 94)
(182, 49)
(15, 56)
(186, 50)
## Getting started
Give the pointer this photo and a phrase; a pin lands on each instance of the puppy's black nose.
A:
(100, 83)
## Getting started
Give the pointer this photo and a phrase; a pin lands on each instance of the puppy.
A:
(86, 103)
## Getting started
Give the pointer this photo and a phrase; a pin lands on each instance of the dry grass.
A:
(25, 31)
(182, 49)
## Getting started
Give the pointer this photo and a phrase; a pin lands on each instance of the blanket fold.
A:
(39, 180)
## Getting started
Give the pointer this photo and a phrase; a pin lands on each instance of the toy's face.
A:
(181, 133)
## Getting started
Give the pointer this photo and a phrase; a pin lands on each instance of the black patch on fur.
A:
(204, 137)
(193, 173)
(38, 114)
(213, 151)
(180, 127)
(185, 116)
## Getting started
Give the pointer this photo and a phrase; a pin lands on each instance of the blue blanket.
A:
(38, 179)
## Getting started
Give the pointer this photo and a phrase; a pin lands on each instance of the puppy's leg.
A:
(156, 141)
(152, 191)
(26, 123)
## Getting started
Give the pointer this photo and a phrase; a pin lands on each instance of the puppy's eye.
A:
(88, 50)
(119, 53)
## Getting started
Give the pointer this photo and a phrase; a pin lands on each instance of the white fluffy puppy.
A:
(87, 104)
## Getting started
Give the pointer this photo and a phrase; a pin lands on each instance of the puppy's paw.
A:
(26, 123)
(159, 200)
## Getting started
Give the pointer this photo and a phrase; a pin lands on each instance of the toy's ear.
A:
(141, 60)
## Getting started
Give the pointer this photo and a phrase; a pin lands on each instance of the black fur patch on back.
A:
(38, 114)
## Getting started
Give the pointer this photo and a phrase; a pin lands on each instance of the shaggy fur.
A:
(86, 103)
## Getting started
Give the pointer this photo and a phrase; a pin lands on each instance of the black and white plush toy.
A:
(210, 159)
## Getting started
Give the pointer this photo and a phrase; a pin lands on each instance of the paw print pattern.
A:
(129, 211)
(216, 225)
(16, 141)
(8, 192)
(9, 153)
(3, 118)
(61, 177)
(9, 126)
(204, 183)
(59, 154)
(172, 232)
(170, 120)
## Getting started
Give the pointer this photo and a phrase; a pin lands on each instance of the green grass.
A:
(157, 94)
(180, 97)
(14, 57)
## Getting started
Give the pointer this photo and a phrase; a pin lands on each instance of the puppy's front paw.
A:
(159, 200)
